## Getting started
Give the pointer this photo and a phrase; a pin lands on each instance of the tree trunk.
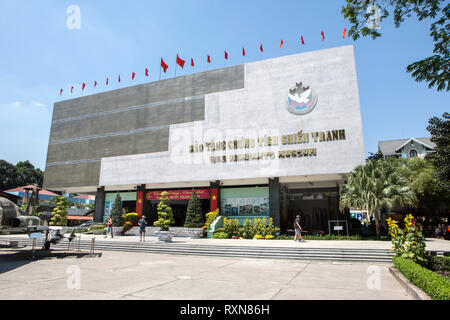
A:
(377, 222)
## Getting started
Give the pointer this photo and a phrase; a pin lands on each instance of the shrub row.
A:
(322, 237)
(261, 227)
(439, 264)
(436, 286)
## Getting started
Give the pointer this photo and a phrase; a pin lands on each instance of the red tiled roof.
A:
(41, 191)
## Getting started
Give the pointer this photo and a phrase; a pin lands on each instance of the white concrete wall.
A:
(254, 111)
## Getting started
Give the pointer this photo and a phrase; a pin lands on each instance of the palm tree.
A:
(374, 186)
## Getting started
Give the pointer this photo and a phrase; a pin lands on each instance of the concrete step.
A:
(331, 254)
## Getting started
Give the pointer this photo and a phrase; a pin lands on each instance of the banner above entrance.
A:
(185, 194)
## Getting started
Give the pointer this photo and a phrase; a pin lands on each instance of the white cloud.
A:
(38, 104)
(26, 105)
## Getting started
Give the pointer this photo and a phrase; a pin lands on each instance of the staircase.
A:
(258, 252)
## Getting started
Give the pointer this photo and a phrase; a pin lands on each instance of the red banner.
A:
(185, 194)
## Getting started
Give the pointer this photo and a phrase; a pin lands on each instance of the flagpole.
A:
(160, 72)
(176, 62)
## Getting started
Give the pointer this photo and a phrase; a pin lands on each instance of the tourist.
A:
(110, 228)
(298, 229)
(142, 224)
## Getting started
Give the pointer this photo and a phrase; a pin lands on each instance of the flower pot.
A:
(194, 233)
(164, 236)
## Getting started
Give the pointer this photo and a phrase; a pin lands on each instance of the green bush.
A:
(436, 286)
(231, 227)
(220, 235)
(332, 237)
(439, 264)
(324, 237)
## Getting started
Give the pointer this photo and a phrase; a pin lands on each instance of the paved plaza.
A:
(120, 275)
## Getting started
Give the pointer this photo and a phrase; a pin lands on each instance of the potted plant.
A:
(117, 215)
(130, 221)
(194, 219)
(165, 219)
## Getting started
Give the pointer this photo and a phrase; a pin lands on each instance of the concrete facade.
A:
(258, 111)
(228, 127)
(124, 122)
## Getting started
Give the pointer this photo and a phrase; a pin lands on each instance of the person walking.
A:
(142, 224)
(109, 224)
(298, 229)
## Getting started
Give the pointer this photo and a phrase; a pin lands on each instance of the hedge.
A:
(436, 286)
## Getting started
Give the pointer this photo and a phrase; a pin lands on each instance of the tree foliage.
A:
(435, 70)
(8, 176)
(431, 194)
(21, 174)
(374, 186)
(440, 135)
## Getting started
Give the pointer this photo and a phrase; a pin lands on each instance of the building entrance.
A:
(315, 206)
(179, 209)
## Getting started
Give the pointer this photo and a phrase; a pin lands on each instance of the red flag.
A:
(95, 84)
(243, 52)
(261, 48)
(209, 59)
(107, 80)
(71, 90)
(84, 85)
(303, 42)
(133, 75)
(226, 55)
(146, 72)
(281, 43)
(323, 35)
(180, 62)
(164, 65)
(119, 77)
(60, 92)
(192, 62)
(344, 32)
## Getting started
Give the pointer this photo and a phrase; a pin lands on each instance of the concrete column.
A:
(215, 185)
(100, 197)
(140, 200)
(274, 200)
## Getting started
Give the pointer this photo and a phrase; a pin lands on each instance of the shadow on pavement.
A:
(13, 259)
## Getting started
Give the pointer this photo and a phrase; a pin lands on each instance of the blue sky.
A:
(39, 55)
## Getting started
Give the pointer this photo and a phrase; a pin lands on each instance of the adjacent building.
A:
(266, 138)
(406, 148)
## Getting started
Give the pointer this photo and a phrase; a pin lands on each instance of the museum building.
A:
(267, 138)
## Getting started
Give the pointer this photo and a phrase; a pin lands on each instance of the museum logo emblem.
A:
(301, 99)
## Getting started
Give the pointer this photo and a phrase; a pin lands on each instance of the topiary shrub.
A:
(59, 217)
(117, 212)
(194, 218)
(165, 215)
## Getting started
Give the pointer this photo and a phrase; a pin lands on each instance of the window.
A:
(413, 153)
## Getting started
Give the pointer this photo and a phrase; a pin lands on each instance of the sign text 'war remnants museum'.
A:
(261, 139)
